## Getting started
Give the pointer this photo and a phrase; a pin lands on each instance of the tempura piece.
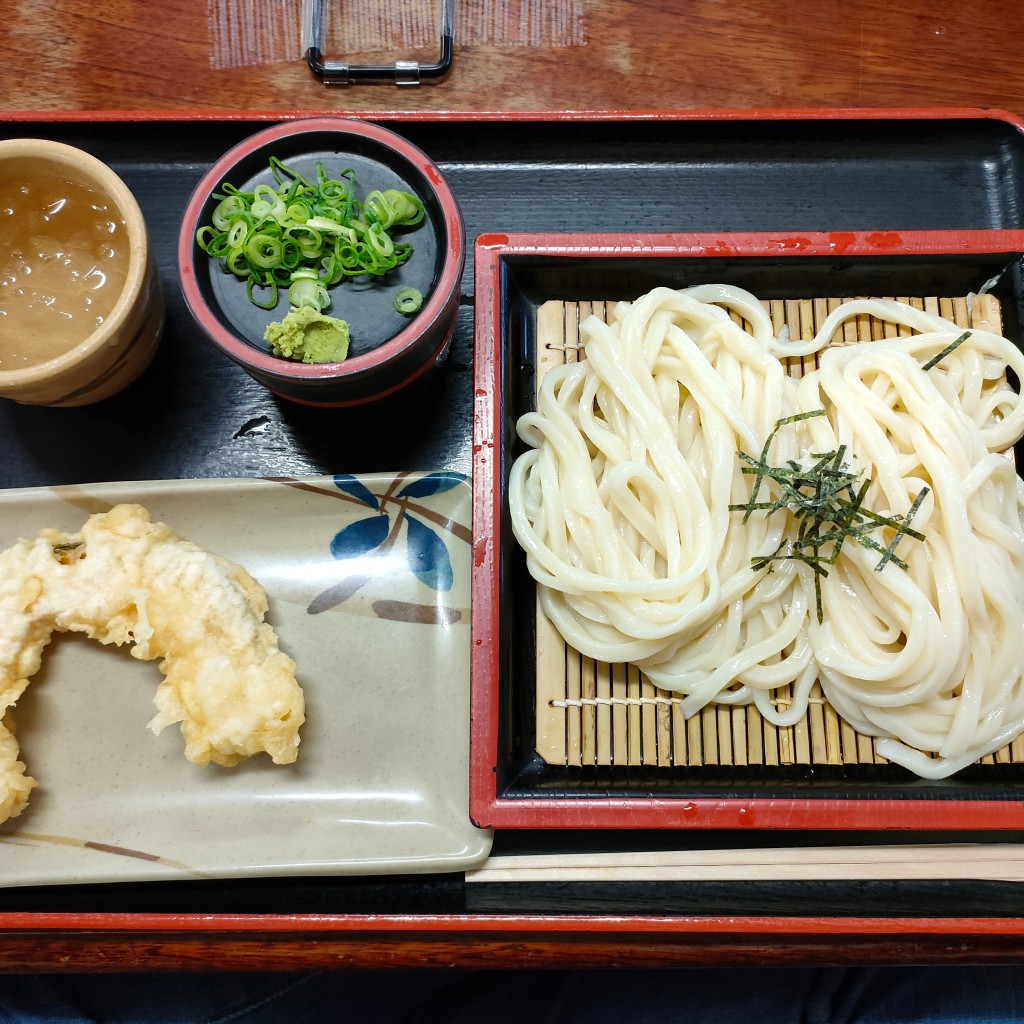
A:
(126, 580)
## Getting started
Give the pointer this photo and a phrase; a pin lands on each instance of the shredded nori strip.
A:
(952, 346)
(827, 499)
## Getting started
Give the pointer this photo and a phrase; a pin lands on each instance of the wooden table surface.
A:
(530, 55)
(590, 57)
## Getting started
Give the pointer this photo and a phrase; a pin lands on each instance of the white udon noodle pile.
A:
(622, 503)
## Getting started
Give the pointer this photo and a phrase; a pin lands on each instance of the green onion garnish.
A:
(408, 301)
(827, 500)
(305, 236)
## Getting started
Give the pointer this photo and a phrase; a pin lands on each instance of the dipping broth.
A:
(64, 258)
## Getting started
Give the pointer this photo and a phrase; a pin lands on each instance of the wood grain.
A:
(630, 55)
(736, 941)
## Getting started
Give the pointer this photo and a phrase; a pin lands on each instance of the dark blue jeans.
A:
(947, 995)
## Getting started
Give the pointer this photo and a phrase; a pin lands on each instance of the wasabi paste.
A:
(309, 336)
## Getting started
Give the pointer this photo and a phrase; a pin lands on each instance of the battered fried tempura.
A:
(123, 579)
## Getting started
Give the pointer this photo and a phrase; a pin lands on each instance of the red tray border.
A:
(509, 924)
(490, 809)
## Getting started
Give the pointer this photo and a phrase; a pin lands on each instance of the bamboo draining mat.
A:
(593, 714)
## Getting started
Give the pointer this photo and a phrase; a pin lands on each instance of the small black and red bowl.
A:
(391, 354)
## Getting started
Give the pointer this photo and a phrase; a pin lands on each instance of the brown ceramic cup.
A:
(123, 345)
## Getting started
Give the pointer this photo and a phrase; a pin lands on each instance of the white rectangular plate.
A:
(368, 580)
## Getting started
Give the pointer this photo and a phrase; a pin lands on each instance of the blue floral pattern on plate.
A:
(402, 511)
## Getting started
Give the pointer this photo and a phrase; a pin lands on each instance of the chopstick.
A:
(970, 861)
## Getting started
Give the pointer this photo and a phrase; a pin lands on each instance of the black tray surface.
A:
(451, 894)
(192, 413)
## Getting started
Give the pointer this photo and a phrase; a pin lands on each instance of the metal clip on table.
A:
(402, 72)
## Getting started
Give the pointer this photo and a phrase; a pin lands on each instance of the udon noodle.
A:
(629, 504)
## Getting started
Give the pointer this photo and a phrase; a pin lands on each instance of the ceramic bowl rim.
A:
(275, 367)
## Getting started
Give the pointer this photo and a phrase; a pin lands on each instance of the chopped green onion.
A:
(263, 251)
(307, 291)
(408, 301)
(228, 207)
(284, 234)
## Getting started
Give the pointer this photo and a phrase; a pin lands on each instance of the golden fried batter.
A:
(124, 579)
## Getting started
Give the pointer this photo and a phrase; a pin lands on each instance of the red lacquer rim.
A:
(423, 371)
(490, 810)
(512, 924)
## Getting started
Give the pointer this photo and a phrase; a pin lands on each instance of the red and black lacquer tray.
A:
(783, 174)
